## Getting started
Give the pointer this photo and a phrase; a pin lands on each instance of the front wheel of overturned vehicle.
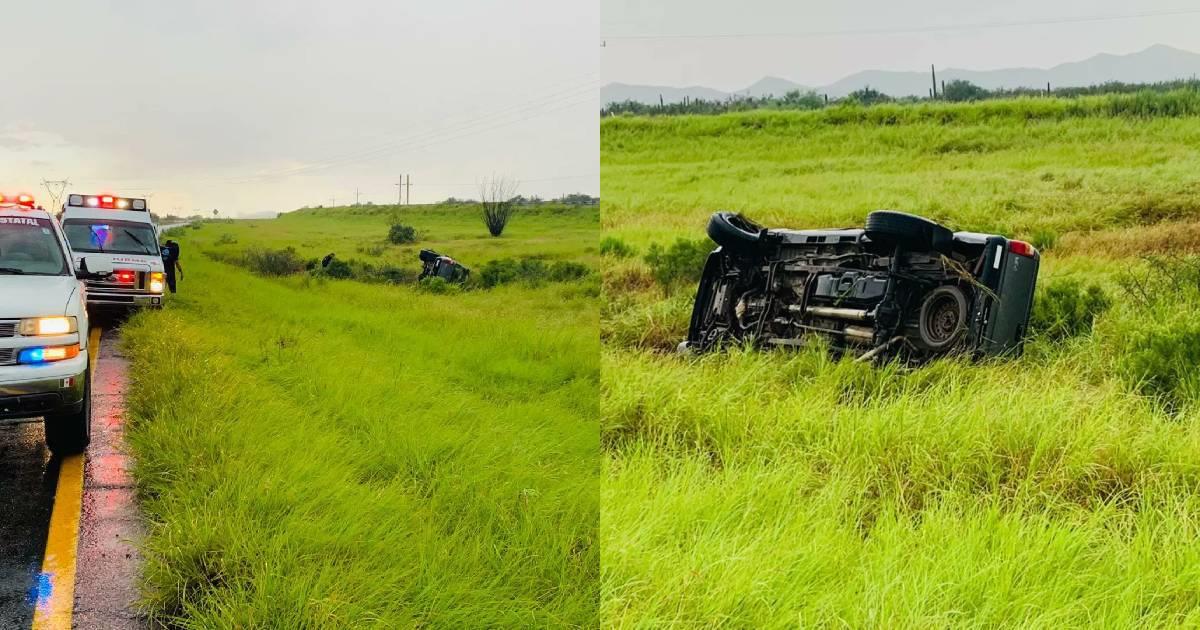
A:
(943, 318)
(735, 233)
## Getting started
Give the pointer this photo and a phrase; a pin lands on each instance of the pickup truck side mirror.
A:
(94, 268)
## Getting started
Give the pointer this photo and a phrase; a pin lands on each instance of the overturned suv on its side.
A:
(903, 287)
(435, 265)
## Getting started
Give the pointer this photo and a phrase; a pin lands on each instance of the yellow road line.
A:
(93, 347)
(56, 583)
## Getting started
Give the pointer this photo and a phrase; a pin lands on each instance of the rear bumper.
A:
(27, 391)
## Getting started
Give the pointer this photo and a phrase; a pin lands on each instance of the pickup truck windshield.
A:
(111, 237)
(29, 246)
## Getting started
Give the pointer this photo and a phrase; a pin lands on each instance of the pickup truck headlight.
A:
(156, 282)
(48, 354)
(35, 326)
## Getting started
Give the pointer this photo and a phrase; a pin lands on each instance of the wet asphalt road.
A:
(28, 477)
(107, 557)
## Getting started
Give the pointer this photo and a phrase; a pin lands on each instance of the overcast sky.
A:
(253, 106)
(732, 63)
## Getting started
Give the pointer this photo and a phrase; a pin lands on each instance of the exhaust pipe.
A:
(856, 314)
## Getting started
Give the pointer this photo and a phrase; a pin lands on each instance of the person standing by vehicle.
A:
(170, 256)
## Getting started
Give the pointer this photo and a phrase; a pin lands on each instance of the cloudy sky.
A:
(259, 106)
(815, 43)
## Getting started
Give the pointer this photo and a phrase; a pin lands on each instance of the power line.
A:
(523, 181)
(903, 30)
(590, 84)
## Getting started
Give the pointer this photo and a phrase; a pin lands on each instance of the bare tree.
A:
(496, 197)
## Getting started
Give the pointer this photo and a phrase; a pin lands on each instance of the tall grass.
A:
(338, 454)
(786, 489)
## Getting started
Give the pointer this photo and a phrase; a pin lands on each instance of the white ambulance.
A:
(120, 231)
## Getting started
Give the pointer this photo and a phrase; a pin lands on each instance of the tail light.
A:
(1022, 248)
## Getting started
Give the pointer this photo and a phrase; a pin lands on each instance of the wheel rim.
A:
(943, 317)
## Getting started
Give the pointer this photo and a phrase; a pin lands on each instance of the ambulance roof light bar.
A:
(106, 202)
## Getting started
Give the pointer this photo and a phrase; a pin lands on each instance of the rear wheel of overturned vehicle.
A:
(943, 318)
(69, 433)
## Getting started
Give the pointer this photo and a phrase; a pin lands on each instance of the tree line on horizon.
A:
(955, 91)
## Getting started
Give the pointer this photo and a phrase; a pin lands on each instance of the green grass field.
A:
(550, 232)
(324, 453)
(786, 489)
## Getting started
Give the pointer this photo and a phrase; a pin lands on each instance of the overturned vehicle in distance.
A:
(435, 265)
(903, 287)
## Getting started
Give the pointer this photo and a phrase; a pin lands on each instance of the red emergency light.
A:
(125, 276)
(21, 199)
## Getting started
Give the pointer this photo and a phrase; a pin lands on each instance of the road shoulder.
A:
(110, 528)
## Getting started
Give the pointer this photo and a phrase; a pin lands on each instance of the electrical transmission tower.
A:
(55, 188)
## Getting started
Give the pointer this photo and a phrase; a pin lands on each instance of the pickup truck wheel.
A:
(909, 231)
(70, 433)
(735, 233)
(943, 318)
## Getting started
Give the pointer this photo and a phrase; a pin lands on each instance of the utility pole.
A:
(933, 74)
(333, 202)
(53, 185)
(356, 195)
(408, 190)
(400, 191)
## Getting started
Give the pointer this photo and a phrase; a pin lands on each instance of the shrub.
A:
(1161, 362)
(436, 285)
(400, 234)
(565, 271)
(273, 262)
(682, 261)
(530, 271)
(615, 247)
(960, 90)
(337, 268)
(226, 239)
(394, 275)
(496, 196)
(373, 249)
(1067, 308)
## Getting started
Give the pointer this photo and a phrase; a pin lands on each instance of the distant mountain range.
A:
(1156, 63)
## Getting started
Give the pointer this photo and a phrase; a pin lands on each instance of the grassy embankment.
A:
(324, 453)
(785, 489)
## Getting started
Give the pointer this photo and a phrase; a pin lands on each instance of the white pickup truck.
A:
(44, 326)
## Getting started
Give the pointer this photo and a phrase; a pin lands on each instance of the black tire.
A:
(909, 231)
(70, 433)
(428, 255)
(943, 318)
(735, 233)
